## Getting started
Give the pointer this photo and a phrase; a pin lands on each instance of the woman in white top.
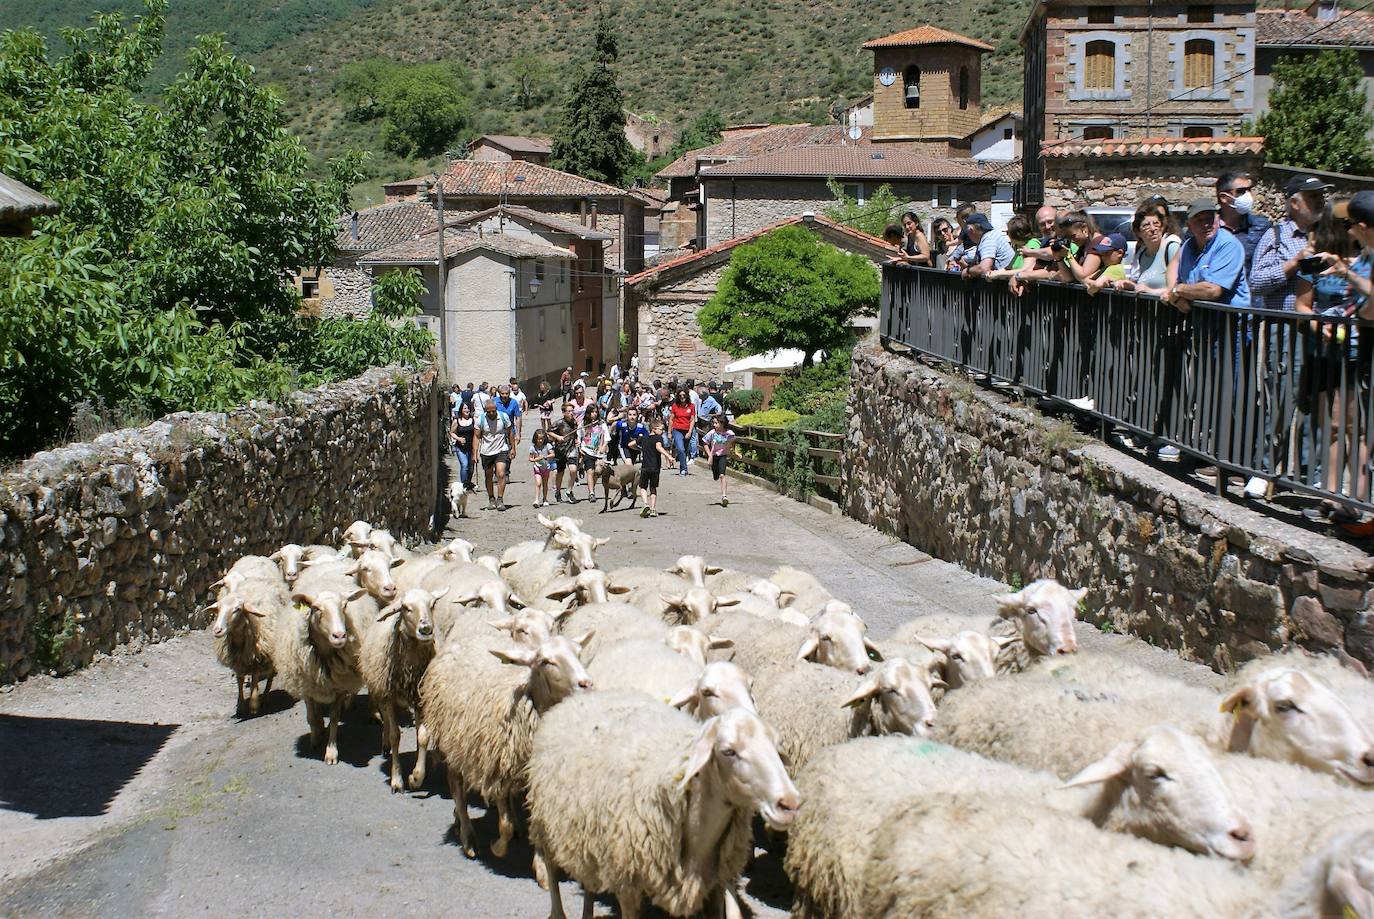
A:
(1155, 245)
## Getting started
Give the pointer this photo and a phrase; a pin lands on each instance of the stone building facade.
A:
(1120, 174)
(927, 89)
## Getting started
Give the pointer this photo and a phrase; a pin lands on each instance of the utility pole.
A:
(443, 280)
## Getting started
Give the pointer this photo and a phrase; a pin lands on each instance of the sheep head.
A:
(735, 757)
(580, 549)
(489, 562)
(1346, 874)
(1281, 713)
(556, 670)
(721, 686)
(325, 612)
(416, 609)
(692, 643)
(1043, 612)
(383, 541)
(694, 569)
(231, 611)
(898, 693)
(373, 572)
(591, 586)
(356, 537)
(969, 656)
(694, 605)
(530, 626)
(837, 639)
(288, 559)
(561, 527)
(1163, 785)
(458, 549)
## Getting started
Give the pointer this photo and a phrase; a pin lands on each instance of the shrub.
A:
(807, 389)
(830, 415)
(743, 401)
(773, 418)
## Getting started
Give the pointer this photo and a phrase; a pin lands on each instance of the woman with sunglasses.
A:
(942, 241)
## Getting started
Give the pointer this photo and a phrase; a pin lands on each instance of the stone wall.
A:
(1125, 182)
(348, 291)
(961, 473)
(669, 336)
(116, 541)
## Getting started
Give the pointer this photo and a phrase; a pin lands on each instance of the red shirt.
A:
(682, 416)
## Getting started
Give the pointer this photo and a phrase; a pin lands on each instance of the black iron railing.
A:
(1279, 395)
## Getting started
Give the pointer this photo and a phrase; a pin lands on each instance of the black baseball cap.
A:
(978, 220)
(1360, 208)
(1305, 183)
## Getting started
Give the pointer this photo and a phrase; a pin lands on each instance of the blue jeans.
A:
(680, 448)
(464, 466)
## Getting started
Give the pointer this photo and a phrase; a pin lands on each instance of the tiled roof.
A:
(408, 183)
(995, 114)
(764, 140)
(518, 179)
(825, 224)
(1009, 171)
(1282, 27)
(852, 162)
(516, 142)
(1156, 146)
(532, 216)
(925, 35)
(425, 249)
(385, 224)
(18, 202)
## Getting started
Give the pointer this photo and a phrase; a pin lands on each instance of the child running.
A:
(593, 443)
(541, 458)
(720, 440)
(652, 452)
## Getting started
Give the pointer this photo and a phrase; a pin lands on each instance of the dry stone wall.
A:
(962, 473)
(116, 541)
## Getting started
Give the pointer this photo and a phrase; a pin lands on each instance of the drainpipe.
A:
(443, 285)
(513, 273)
(733, 234)
(1149, 62)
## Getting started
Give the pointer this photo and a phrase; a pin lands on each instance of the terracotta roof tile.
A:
(850, 162)
(1280, 27)
(826, 223)
(764, 140)
(517, 143)
(925, 35)
(518, 179)
(385, 224)
(1155, 146)
(1009, 171)
(532, 216)
(425, 249)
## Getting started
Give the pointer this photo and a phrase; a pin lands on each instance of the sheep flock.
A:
(654, 731)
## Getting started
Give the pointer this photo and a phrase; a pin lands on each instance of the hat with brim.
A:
(1201, 206)
(1112, 242)
(1359, 209)
(979, 221)
(1301, 183)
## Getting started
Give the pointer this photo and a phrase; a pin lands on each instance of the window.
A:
(911, 83)
(539, 270)
(1199, 57)
(1101, 15)
(963, 87)
(1098, 132)
(310, 285)
(855, 192)
(1099, 65)
(581, 337)
(563, 320)
(1197, 130)
(1008, 133)
(596, 320)
(944, 196)
(1202, 13)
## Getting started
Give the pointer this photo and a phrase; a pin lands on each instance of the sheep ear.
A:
(1113, 765)
(217, 584)
(702, 749)
(561, 593)
(675, 569)
(441, 592)
(509, 563)
(1009, 606)
(397, 561)
(684, 698)
(874, 652)
(809, 648)
(275, 556)
(388, 611)
(505, 624)
(253, 609)
(1243, 703)
(935, 682)
(785, 598)
(521, 656)
(598, 543)
(299, 597)
(617, 589)
(514, 600)
(714, 569)
(352, 569)
(867, 690)
(1003, 640)
(1078, 595)
(581, 640)
(730, 601)
(671, 601)
(546, 522)
(357, 594)
(939, 645)
(716, 643)
(1346, 887)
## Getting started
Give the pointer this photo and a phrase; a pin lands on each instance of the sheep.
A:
(410, 574)
(812, 706)
(694, 644)
(247, 566)
(966, 656)
(809, 595)
(621, 479)
(355, 538)
(1337, 882)
(383, 541)
(643, 665)
(646, 587)
(1000, 855)
(692, 605)
(721, 685)
(457, 499)
(1043, 612)
(612, 622)
(290, 556)
(482, 699)
(834, 639)
(529, 575)
(1166, 791)
(489, 562)
(395, 652)
(467, 584)
(756, 604)
(243, 628)
(561, 530)
(316, 651)
(630, 797)
(731, 581)
(1276, 713)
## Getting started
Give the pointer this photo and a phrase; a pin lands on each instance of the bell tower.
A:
(927, 91)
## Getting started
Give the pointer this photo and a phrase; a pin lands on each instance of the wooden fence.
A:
(760, 443)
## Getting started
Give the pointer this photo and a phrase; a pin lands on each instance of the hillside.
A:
(753, 60)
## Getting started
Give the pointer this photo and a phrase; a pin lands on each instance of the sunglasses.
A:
(947, 231)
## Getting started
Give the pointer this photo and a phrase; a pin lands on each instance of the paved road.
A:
(131, 790)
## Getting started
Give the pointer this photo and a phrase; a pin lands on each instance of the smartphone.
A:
(1312, 264)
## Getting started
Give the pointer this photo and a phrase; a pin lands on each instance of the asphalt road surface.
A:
(131, 789)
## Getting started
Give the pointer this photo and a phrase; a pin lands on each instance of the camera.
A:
(1059, 244)
(1312, 264)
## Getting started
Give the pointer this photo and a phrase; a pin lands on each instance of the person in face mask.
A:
(1235, 207)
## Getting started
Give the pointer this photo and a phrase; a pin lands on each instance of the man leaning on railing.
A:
(1211, 264)
(992, 248)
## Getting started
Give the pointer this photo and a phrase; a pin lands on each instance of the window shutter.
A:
(1198, 59)
(1099, 65)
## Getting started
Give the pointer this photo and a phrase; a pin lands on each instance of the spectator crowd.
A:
(1315, 259)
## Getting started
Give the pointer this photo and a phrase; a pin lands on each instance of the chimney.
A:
(355, 226)
(593, 215)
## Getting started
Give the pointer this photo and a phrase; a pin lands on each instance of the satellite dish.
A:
(855, 132)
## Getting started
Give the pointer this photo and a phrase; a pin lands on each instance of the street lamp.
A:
(535, 284)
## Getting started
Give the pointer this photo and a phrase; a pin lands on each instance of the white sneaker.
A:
(1085, 403)
(1257, 487)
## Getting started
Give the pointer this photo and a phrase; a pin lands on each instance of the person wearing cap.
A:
(1235, 208)
(1111, 249)
(993, 251)
(1210, 265)
(1274, 271)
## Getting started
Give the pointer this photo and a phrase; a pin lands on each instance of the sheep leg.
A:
(238, 685)
(331, 749)
(555, 897)
(506, 827)
(417, 775)
(254, 700)
(393, 736)
(467, 836)
(541, 870)
(629, 904)
(314, 717)
(588, 904)
(729, 906)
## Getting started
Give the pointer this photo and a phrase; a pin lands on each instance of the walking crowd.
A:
(589, 431)
(1315, 260)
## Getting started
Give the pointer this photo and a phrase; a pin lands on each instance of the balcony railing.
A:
(1280, 395)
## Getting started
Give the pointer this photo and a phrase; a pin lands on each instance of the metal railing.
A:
(1280, 395)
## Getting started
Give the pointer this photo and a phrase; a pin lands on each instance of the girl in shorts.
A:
(720, 441)
(541, 458)
(592, 447)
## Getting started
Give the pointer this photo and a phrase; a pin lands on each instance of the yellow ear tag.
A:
(1348, 912)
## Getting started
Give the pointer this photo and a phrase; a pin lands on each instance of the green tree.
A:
(531, 76)
(791, 289)
(424, 108)
(872, 217)
(591, 138)
(1318, 117)
(704, 131)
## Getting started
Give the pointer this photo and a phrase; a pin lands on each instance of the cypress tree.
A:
(591, 139)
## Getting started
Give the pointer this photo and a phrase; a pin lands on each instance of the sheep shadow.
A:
(275, 702)
(765, 879)
(72, 767)
(359, 736)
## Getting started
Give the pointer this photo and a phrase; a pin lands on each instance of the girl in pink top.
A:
(720, 442)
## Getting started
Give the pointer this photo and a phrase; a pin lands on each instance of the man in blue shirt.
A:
(710, 406)
(509, 406)
(1210, 265)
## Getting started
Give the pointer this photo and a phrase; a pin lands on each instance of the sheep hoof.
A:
(397, 786)
(499, 848)
(416, 780)
(331, 755)
(469, 850)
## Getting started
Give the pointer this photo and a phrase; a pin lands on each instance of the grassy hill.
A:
(753, 60)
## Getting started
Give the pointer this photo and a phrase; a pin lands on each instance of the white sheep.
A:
(1337, 881)
(762, 605)
(644, 665)
(243, 627)
(465, 584)
(1043, 612)
(395, 652)
(695, 644)
(561, 530)
(409, 575)
(316, 651)
(692, 605)
(632, 798)
(812, 706)
(965, 655)
(290, 556)
(645, 587)
(612, 622)
(834, 639)
(530, 574)
(355, 538)
(383, 541)
(482, 699)
(489, 562)
(808, 594)
(720, 686)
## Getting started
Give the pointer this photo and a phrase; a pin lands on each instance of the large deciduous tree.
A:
(591, 140)
(1318, 116)
(791, 289)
